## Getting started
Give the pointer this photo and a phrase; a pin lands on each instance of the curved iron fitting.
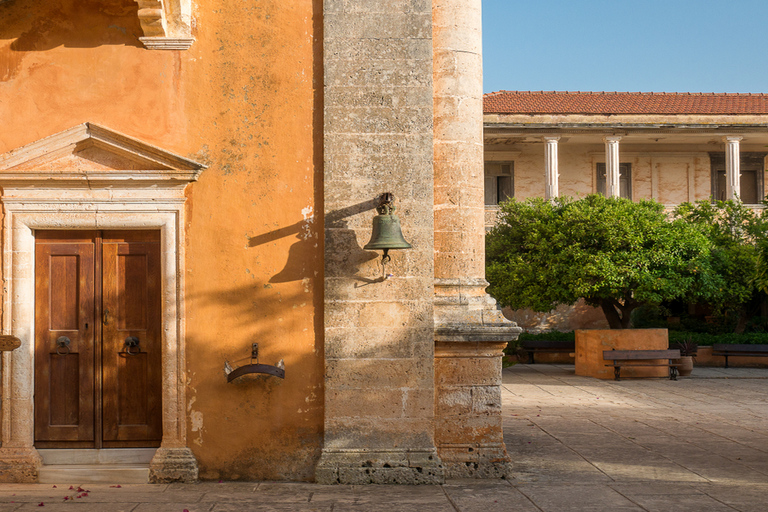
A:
(256, 368)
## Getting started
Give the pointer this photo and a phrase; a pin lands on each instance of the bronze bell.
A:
(386, 232)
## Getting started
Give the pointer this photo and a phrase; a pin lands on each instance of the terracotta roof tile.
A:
(554, 102)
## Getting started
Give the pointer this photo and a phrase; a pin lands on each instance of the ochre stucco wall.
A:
(244, 100)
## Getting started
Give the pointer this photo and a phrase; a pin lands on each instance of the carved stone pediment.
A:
(92, 156)
(166, 24)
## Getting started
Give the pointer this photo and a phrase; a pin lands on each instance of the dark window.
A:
(751, 170)
(499, 182)
(625, 180)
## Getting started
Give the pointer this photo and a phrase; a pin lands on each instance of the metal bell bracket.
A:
(254, 367)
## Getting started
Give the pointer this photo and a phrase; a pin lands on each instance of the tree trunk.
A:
(611, 314)
(618, 315)
(741, 322)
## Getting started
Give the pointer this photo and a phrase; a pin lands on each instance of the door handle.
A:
(132, 342)
(62, 342)
(106, 317)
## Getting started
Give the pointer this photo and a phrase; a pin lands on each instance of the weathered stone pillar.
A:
(612, 187)
(19, 460)
(470, 331)
(550, 167)
(379, 345)
(732, 167)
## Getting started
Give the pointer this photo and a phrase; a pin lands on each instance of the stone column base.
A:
(476, 461)
(468, 421)
(173, 465)
(19, 465)
(379, 467)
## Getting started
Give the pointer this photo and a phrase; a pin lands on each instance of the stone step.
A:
(78, 474)
(104, 456)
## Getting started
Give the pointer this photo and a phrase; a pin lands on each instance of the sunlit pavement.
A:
(579, 444)
(698, 444)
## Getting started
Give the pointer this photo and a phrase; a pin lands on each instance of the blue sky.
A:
(626, 45)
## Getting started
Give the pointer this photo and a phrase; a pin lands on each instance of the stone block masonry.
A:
(379, 348)
(470, 332)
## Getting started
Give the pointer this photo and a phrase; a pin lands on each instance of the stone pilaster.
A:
(173, 465)
(379, 345)
(19, 464)
(470, 330)
(19, 460)
(551, 174)
(612, 187)
(732, 167)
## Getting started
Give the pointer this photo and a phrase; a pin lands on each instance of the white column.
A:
(732, 168)
(551, 189)
(612, 166)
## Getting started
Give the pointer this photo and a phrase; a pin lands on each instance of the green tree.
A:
(738, 256)
(614, 253)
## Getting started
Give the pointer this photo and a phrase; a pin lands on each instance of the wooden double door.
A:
(97, 339)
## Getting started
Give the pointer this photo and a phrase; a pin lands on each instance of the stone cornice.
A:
(166, 24)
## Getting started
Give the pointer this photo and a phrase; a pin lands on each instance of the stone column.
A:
(379, 345)
(612, 188)
(19, 460)
(470, 331)
(732, 167)
(550, 168)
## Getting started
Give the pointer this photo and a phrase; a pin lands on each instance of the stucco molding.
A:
(37, 193)
(166, 24)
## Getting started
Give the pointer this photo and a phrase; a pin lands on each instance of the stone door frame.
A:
(91, 199)
(21, 220)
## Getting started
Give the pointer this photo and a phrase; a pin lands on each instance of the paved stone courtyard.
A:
(580, 444)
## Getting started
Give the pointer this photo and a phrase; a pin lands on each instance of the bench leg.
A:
(673, 373)
(530, 357)
(617, 372)
(726, 361)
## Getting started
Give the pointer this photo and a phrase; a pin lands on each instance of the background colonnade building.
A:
(671, 147)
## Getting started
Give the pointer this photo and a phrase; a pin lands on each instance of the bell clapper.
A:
(384, 260)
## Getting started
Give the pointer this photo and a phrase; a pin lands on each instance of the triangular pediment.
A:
(89, 149)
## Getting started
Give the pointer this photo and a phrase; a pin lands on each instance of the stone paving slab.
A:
(579, 444)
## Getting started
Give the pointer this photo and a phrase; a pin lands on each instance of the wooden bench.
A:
(632, 358)
(546, 347)
(727, 349)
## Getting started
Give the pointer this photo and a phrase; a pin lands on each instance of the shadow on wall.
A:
(343, 245)
(273, 426)
(40, 25)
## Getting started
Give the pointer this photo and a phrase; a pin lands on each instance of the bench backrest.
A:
(632, 355)
(735, 347)
(566, 345)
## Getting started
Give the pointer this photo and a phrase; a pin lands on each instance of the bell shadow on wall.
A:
(341, 247)
(40, 25)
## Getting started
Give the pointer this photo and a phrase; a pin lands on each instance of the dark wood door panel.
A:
(132, 378)
(97, 289)
(64, 373)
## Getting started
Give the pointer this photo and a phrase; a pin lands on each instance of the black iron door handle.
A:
(130, 343)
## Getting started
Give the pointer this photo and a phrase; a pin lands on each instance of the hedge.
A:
(702, 339)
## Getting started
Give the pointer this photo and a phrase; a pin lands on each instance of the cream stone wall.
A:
(668, 175)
